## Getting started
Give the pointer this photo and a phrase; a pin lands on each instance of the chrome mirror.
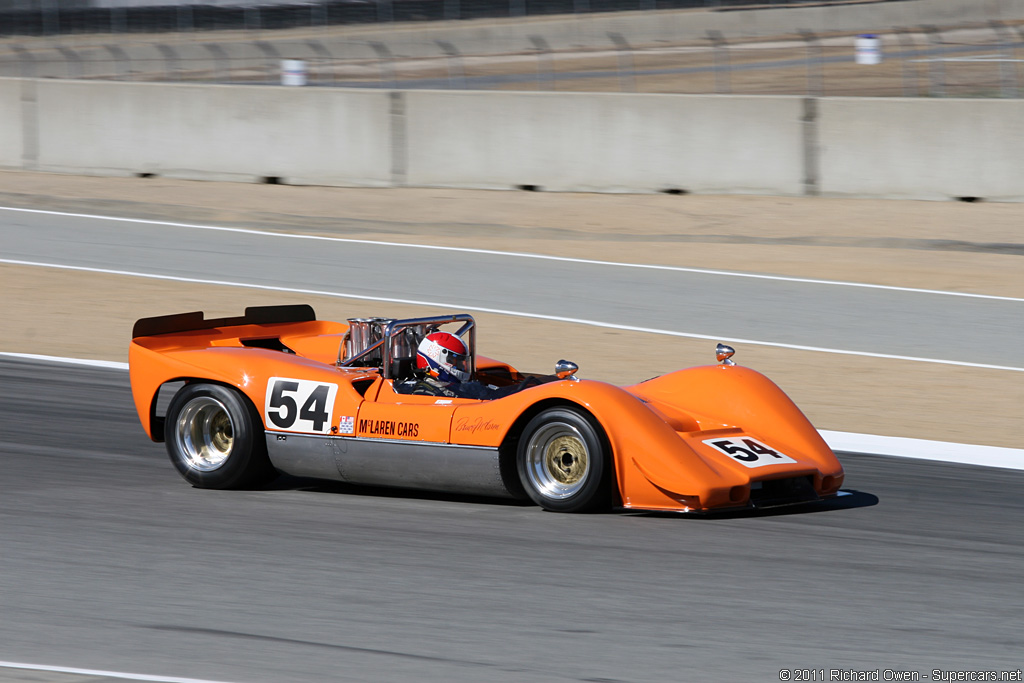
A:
(565, 369)
(723, 353)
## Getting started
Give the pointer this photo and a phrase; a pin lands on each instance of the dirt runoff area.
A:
(936, 245)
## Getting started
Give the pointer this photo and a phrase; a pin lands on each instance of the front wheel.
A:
(214, 438)
(562, 462)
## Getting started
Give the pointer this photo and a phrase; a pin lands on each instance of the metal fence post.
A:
(544, 66)
(627, 68)
(220, 60)
(907, 47)
(185, 20)
(273, 56)
(118, 20)
(936, 71)
(456, 74)
(721, 54)
(252, 18)
(451, 10)
(814, 62)
(73, 60)
(385, 12)
(387, 69)
(50, 10)
(318, 9)
(325, 54)
(1007, 76)
(170, 61)
(26, 62)
(1017, 63)
(122, 62)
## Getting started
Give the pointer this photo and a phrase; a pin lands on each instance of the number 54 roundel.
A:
(749, 452)
(299, 405)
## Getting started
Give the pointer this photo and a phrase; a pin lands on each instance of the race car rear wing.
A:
(190, 322)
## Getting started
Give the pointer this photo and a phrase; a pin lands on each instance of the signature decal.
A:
(478, 425)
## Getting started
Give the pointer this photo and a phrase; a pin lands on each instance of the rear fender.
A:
(149, 370)
(246, 369)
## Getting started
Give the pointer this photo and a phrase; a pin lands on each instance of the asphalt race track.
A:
(863, 320)
(109, 561)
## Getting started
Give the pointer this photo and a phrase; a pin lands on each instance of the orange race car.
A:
(409, 403)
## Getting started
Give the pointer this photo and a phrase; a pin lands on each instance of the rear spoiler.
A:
(190, 322)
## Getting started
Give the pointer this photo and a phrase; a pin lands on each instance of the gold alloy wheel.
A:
(557, 460)
(205, 434)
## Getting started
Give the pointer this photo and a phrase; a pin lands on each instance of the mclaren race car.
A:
(278, 391)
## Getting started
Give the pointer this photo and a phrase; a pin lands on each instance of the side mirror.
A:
(723, 353)
(565, 369)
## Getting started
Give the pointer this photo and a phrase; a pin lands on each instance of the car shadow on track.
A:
(289, 483)
(846, 500)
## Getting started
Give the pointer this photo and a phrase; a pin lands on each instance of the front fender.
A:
(734, 396)
(654, 467)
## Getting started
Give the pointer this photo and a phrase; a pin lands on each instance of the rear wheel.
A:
(562, 462)
(214, 438)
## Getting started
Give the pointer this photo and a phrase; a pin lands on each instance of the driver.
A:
(443, 357)
(442, 369)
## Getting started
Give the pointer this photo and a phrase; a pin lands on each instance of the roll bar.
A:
(391, 344)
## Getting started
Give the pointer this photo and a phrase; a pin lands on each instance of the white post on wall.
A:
(293, 72)
(868, 49)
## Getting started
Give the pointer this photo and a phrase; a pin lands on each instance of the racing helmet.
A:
(443, 356)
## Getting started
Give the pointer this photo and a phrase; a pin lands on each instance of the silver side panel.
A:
(303, 456)
(385, 462)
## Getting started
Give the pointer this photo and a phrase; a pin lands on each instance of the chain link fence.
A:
(978, 61)
(53, 17)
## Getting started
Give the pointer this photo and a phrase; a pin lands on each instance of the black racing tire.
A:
(563, 463)
(215, 438)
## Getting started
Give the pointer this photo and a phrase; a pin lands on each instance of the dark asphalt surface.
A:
(864, 320)
(108, 560)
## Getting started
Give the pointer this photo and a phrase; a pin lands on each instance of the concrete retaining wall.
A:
(913, 148)
(605, 142)
(12, 130)
(922, 148)
(307, 135)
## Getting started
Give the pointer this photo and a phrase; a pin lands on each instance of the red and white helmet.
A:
(443, 356)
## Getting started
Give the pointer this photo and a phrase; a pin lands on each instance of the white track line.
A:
(517, 254)
(921, 449)
(113, 365)
(870, 444)
(518, 314)
(105, 674)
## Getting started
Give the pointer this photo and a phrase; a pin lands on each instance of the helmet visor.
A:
(459, 361)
